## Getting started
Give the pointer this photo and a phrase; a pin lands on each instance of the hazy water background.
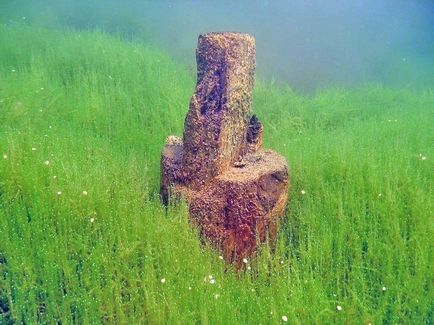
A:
(308, 44)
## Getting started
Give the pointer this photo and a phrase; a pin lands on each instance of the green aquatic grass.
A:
(84, 113)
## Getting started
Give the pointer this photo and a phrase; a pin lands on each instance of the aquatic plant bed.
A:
(84, 238)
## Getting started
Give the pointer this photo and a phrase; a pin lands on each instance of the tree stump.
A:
(236, 191)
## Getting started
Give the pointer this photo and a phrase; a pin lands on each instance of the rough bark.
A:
(235, 190)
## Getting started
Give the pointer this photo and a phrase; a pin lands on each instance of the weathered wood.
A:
(220, 108)
(236, 191)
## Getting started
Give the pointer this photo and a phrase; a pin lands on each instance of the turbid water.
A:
(84, 114)
(307, 44)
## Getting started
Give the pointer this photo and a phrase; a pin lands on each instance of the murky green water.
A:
(308, 44)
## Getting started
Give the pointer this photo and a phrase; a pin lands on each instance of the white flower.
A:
(163, 280)
(210, 276)
(59, 193)
(384, 288)
(379, 194)
(54, 177)
(338, 308)
(249, 268)
(245, 261)
(216, 296)
(85, 193)
(303, 192)
(212, 281)
(423, 158)
(42, 88)
(47, 162)
(49, 127)
(33, 149)
(13, 70)
(285, 318)
(92, 220)
(221, 257)
(281, 262)
(5, 156)
(189, 288)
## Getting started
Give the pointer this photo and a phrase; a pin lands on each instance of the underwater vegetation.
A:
(84, 238)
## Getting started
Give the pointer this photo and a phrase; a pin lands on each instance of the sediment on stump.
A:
(236, 191)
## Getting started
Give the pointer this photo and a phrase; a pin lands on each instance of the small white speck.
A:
(33, 149)
(189, 288)
(339, 308)
(163, 280)
(303, 192)
(384, 288)
(285, 318)
(245, 261)
(24, 18)
(85, 193)
(54, 177)
(59, 193)
(221, 257)
(92, 220)
(210, 276)
(46, 162)
(40, 111)
(42, 88)
(281, 262)
(49, 127)
(380, 195)
(13, 70)
(5, 156)
(216, 296)
(423, 158)
(110, 77)
(212, 281)
(389, 120)
(249, 268)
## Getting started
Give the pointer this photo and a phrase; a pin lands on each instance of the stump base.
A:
(238, 209)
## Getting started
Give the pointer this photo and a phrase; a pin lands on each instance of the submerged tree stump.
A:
(236, 191)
